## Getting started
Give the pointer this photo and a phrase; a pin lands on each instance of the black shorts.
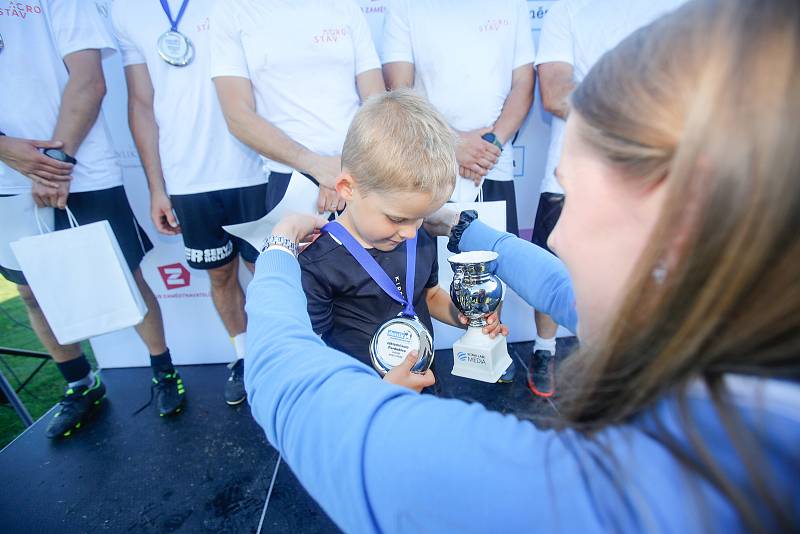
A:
(494, 190)
(202, 216)
(547, 215)
(110, 205)
(277, 186)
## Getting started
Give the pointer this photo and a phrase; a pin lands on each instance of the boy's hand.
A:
(402, 375)
(493, 327)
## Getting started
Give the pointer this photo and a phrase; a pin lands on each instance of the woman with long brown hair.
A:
(680, 241)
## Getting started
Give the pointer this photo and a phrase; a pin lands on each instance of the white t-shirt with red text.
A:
(37, 35)
(464, 52)
(579, 32)
(302, 58)
(198, 153)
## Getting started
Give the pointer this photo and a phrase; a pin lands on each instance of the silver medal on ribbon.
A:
(175, 48)
(395, 338)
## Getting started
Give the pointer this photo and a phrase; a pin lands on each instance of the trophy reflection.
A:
(476, 293)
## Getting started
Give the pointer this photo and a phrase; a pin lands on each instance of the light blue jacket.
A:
(380, 458)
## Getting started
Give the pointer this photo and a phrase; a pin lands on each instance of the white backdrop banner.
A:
(195, 333)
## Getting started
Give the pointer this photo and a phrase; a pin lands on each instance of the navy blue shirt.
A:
(347, 306)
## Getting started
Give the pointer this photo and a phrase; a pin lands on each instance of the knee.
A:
(222, 276)
(27, 297)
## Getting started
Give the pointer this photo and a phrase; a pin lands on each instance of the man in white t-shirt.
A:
(290, 75)
(575, 34)
(52, 89)
(193, 164)
(474, 61)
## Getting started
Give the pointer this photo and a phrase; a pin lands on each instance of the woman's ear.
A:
(345, 186)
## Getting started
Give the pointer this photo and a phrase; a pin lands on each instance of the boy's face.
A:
(384, 220)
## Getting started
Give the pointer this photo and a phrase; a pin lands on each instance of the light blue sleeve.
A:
(378, 457)
(537, 276)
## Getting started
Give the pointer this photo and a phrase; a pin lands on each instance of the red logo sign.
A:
(174, 275)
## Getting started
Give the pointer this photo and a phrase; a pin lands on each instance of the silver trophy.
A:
(477, 292)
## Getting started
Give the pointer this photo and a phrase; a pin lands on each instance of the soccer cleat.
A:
(234, 387)
(169, 392)
(541, 374)
(74, 407)
(508, 375)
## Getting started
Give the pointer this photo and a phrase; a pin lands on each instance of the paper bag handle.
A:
(73, 222)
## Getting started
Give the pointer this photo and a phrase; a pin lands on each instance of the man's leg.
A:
(112, 205)
(541, 374)
(84, 389)
(228, 297)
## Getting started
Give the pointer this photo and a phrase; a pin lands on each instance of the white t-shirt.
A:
(37, 35)
(579, 32)
(463, 53)
(302, 57)
(198, 153)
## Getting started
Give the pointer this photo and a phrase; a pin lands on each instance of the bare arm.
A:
(517, 104)
(441, 307)
(556, 84)
(142, 121)
(370, 82)
(80, 103)
(398, 74)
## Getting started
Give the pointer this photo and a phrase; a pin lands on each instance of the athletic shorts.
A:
(202, 216)
(494, 190)
(547, 215)
(87, 207)
(277, 185)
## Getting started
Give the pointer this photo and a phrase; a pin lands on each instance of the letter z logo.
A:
(174, 276)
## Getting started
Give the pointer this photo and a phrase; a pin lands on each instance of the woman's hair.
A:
(707, 100)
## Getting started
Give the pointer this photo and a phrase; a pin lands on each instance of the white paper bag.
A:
(81, 280)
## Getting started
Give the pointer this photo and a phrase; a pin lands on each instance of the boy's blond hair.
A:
(399, 142)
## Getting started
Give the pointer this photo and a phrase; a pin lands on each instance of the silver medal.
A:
(175, 48)
(395, 338)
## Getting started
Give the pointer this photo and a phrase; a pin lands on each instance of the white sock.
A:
(548, 344)
(239, 345)
(87, 381)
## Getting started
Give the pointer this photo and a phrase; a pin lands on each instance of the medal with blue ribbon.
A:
(398, 336)
(174, 47)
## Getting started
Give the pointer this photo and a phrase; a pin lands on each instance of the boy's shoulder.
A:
(322, 249)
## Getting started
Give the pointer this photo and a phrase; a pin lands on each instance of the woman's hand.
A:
(402, 375)
(493, 326)
(299, 227)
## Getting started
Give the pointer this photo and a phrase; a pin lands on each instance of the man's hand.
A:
(470, 175)
(46, 196)
(476, 154)
(162, 215)
(329, 200)
(440, 223)
(402, 375)
(24, 156)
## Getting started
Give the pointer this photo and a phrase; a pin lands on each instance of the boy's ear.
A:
(345, 185)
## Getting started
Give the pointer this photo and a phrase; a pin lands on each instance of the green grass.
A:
(46, 388)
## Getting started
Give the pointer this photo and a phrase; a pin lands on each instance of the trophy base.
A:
(479, 357)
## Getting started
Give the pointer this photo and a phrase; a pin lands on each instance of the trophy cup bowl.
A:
(477, 292)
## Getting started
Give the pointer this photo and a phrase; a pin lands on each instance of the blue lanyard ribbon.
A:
(375, 271)
(174, 23)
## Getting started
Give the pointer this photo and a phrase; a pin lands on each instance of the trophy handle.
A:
(458, 279)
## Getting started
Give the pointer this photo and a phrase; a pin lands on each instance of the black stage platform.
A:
(208, 470)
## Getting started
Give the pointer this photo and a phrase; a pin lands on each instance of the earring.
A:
(660, 272)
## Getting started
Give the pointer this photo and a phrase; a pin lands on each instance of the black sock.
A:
(74, 370)
(161, 363)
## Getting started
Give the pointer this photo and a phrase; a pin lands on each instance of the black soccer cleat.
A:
(73, 409)
(541, 373)
(234, 386)
(169, 392)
